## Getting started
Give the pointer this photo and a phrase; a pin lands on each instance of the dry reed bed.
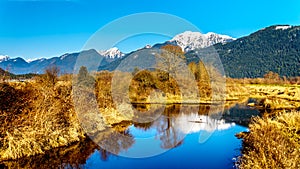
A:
(36, 117)
(276, 96)
(272, 142)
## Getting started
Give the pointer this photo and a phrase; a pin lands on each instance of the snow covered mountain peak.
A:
(4, 58)
(112, 53)
(189, 40)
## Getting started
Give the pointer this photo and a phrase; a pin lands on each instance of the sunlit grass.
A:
(36, 116)
(272, 142)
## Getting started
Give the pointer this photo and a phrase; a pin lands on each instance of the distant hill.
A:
(2, 72)
(5, 73)
(275, 48)
(9, 75)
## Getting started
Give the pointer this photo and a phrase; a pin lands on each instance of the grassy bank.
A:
(272, 142)
(35, 117)
(39, 115)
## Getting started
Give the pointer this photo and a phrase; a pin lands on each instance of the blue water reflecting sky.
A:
(217, 152)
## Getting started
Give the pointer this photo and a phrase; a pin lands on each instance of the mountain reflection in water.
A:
(185, 136)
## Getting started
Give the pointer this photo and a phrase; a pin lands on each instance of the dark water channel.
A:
(186, 136)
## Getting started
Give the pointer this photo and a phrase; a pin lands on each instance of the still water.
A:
(181, 137)
(219, 151)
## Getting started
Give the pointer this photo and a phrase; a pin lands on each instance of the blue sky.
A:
(35, 29)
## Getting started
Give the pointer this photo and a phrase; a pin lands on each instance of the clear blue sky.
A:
(46, 28)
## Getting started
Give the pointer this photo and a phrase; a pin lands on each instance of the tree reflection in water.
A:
(143, 126)
(168, 133)
(171, 126)
(116, 139)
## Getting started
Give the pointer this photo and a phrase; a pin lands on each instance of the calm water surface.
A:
(219, 151)
(181, 137)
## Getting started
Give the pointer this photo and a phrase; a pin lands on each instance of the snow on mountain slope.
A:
(283, 27)
(191, 40)
(4, 58)
(112, 53)
(35, 59)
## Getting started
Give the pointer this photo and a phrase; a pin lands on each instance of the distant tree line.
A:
(5, 75)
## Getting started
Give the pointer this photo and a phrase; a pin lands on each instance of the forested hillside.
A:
(276, 48)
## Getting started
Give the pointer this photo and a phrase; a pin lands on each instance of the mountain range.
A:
(65, 63)
(275, 48)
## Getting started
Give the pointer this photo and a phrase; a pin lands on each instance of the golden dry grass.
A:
(276, 96)
(272, 142)
(269, 95)
(40, 117)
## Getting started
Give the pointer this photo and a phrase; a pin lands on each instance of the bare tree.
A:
(171, 60)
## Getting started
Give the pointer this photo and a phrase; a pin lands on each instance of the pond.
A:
(183, 136)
